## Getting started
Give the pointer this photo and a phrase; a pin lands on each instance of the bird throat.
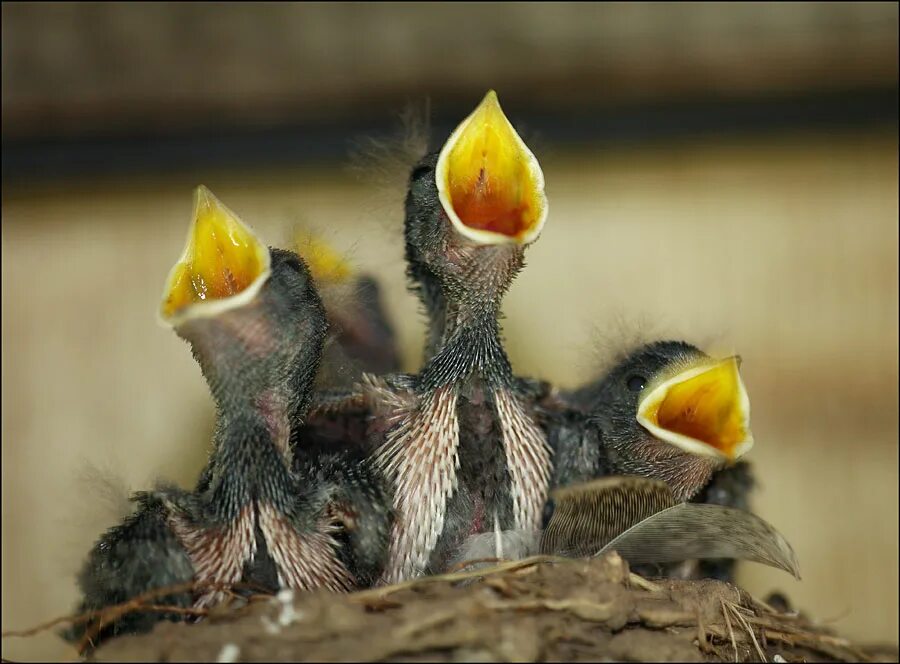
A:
(422, 453)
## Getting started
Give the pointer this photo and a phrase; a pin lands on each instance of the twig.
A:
(112, 613)
(702, 639)
(475, 561)
(730, 630)
(767, 608)
(78, 618)
(429, 622)
(453, 577)
(94, 613)
(749, 629)
(43, 627)
(643, 583)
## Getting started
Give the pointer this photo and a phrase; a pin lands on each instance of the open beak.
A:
(703, 409)
(325, 263)
(223, 265)
(490, 184)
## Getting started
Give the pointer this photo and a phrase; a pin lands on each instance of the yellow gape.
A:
(490, 184)
(703, 410)
(326, 264)
(222, 259)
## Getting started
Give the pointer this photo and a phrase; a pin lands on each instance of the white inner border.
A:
(479, 235)
(210, 308)
(686, 443)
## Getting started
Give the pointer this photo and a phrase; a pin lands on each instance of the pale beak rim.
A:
(215, 307)
(655, 396)
(479, 235)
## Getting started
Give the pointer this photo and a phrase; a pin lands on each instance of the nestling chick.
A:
(666, 411)
(457, 439)
(361, 338)
(464, 439)
(263, 511)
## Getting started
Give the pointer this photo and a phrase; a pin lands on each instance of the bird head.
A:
(472, 208)
(361, 336)
(250, 313)
(671, 412)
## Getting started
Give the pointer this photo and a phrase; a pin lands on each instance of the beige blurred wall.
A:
(781, 248)
(78, 68)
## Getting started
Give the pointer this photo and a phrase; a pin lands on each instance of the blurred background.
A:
(727, 174)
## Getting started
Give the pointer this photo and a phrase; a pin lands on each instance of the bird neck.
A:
(247, 463)
(685, 473)
(252, 453)
(470, 343)
(257, 368)
(460, 284)
(426, 286)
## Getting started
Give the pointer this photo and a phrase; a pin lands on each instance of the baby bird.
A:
(263, 512)
(468, 443)
(665, 425)
(457, 440)
(361, 338)
(668, 412)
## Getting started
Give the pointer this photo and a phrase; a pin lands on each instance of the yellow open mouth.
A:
(490, 184)
(702, 410)
(325, 263)
(223, 264)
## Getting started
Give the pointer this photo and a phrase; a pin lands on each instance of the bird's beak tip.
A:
(222, 266)
(703, 409)
(203, 198)
(490, 184)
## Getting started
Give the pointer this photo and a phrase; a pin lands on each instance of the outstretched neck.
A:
(426, 286)
(471, 344)
(257, 406)
(255, 371)
(464, 307)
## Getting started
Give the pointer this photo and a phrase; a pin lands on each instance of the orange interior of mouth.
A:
(490, 177)
(707, 408)
(222, 258)
(491, 202)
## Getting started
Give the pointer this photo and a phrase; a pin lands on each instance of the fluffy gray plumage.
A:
(260, 361)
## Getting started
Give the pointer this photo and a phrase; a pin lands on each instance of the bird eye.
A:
(636, 383)
(420, 172)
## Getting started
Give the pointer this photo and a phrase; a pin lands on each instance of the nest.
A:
(539, 609)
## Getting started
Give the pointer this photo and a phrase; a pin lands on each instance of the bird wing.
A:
(697, 530)
(640, 519)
